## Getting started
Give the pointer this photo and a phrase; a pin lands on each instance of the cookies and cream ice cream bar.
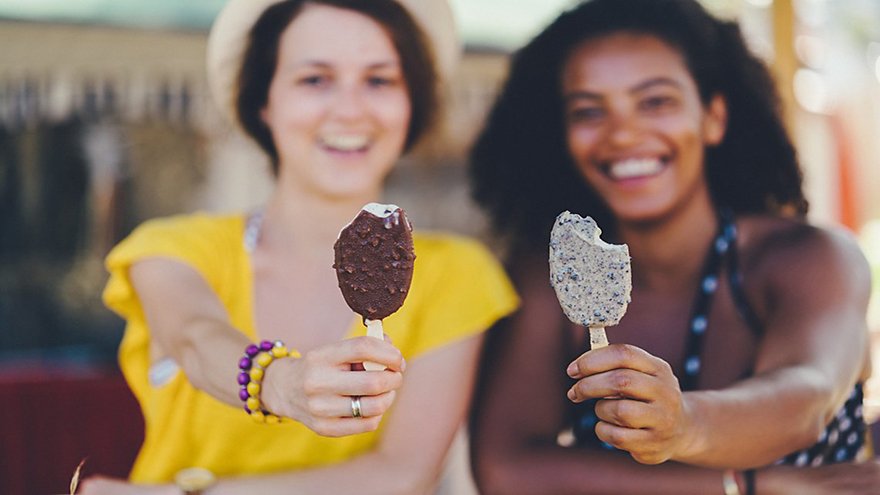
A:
(592, 278)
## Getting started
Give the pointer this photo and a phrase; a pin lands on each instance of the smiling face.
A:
(338, 108)
(635, 125)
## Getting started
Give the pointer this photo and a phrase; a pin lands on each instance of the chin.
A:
(643, 213)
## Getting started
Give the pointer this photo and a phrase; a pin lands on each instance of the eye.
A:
(378, 81)
(658, 103)
(382, 81)
(585, 114)
(313, 80)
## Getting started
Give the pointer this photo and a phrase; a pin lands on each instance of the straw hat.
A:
(229, 34)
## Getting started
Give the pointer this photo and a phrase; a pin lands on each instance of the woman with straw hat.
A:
(333, 91)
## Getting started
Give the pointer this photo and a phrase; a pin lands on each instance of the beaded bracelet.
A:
(251, 369)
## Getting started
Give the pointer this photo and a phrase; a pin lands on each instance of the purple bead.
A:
(266, 345)
(244, 378)
(247, 409)
(243, 394)
(251, 350)
(245, 363)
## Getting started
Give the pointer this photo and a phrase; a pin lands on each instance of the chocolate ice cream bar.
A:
(374, 259)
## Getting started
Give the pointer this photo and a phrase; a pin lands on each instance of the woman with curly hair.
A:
(745, 344)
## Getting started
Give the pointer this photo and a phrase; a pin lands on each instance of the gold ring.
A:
(356, 407)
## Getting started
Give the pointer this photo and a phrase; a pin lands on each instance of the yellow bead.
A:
(258, 416)
(253, 389)
(272, 419)
(253, 403)
(264, 359)
(256, 374)
(279, 352)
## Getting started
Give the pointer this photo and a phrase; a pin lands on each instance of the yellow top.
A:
(458, 290)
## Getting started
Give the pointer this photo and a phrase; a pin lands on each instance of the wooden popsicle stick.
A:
(598, 338)
(375, 330)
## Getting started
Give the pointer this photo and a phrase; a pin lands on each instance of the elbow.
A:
(409, 479)
(823, 400)
(495, 476)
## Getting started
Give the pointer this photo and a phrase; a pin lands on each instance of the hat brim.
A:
(227, 42)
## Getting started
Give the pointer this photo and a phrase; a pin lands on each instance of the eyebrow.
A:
(642, 86)
(325, 65)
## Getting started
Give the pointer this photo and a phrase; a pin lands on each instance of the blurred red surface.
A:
(52, 417)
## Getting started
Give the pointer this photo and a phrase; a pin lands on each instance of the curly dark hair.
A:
(521, 171)
(261, 57)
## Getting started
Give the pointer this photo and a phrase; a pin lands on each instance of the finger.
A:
(360, 349)
(626, 383)
(625, 413)
(376, 405)
(615, 356)
(364, 383)
(339, 427)
(338, 406)
(637, 442)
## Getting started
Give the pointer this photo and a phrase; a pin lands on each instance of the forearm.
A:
(759, 420)
(550, 469)
(212, 368)
(189, 323)
(369, 474)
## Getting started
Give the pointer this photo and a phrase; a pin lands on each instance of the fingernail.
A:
(572, 369)
(571, 395)
(402, 365)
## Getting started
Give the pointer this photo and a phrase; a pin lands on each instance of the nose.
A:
(624, 130)
(349, 102)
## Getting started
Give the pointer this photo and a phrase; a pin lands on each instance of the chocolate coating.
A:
(374, 259)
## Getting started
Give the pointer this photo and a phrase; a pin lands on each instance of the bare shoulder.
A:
(786, 254)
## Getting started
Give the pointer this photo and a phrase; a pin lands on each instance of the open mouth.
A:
(345, 143)
(635, 168)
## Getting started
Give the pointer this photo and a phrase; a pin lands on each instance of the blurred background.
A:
(105, 121)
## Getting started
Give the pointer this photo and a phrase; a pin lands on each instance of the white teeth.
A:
(637, 167)
(345, 142)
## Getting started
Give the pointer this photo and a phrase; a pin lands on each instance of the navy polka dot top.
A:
(844, 436)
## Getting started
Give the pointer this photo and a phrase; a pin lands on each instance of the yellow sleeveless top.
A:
(458, 290)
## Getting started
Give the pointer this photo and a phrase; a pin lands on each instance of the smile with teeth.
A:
(635, 168)
(346, 143)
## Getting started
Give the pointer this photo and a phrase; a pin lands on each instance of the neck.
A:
(303, 225)
(668, 253)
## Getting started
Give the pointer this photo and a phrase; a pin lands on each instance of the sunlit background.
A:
(105, 122)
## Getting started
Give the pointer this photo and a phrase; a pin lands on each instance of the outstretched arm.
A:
(812, 291)
(189, 323)
(185, 316)
(521, 407)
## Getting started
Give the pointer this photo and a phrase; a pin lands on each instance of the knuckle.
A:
(313, 406)
(623, 412)
(322, 427)
(664, 367)
(580, 389)
(372, 423)
(311, 384)
(361, 346)
(621, 380)
(374, 387)
(385, 402)
(581, 365)
(626, 352)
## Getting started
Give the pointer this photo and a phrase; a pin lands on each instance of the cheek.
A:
(397, 112)
(581, 142)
